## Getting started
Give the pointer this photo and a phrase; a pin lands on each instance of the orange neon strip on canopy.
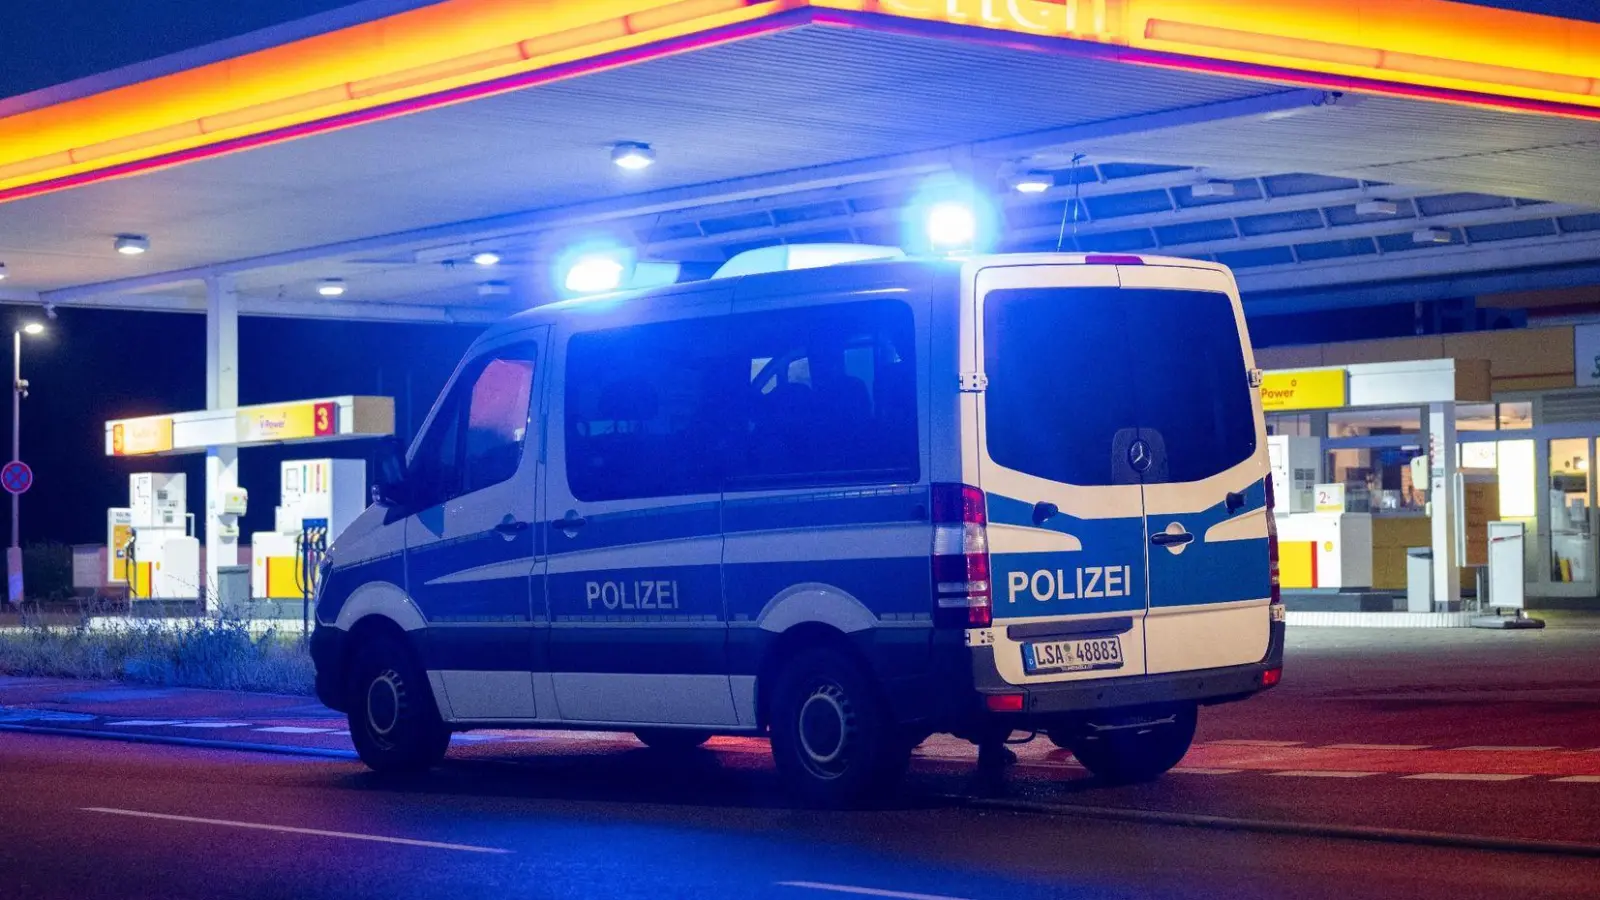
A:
(1450, 50)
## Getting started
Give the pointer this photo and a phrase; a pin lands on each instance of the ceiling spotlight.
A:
(33, 328)
(1430, 236)
(1032, 182)
(632, 155)
(331, 287)
(486, 258)
(1377, 208)
(494, 289)
(132, 244)
(2, 272)
(1212, 189)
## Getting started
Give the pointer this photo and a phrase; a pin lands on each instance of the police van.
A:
(846, 507)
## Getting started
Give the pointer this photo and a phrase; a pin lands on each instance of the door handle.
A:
(1168, 539)
(511, 527)
(569, 523)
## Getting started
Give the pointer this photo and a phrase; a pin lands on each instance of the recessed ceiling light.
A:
(1377, 208)
(632, 155)
(3, 272)
(132, 244)
(1213, 189)
(486, 258)
(1430, 236)
(331, 287)
(33, 328)
(1032, 182)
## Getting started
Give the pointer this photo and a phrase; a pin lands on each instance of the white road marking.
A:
(295, 729)
(1314, 773)
(1200, 770)
(1464, 776)
(1377, 747)
(147, 723)
(213, 724)
(867, 892)
(1491, 749)
(1578, 779)
(1245, 743)
(287, 829)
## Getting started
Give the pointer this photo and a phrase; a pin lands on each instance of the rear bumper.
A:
(1062, 700)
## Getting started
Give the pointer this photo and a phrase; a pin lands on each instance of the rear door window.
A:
(1076, 373)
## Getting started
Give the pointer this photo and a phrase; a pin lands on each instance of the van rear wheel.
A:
(832, 737)
(393, 721)
(671, 740)
(1137, 749)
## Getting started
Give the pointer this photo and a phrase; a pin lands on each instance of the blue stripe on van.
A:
(1107, 575)
(1218, 572)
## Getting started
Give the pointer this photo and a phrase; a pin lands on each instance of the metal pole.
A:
(16, 423)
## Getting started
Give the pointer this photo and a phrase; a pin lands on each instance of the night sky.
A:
(96, 365)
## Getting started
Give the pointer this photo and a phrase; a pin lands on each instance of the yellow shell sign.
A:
(1306, 389)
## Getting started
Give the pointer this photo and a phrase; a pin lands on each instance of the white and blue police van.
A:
(845, 507)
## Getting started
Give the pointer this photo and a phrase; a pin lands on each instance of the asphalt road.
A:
(1423, 739)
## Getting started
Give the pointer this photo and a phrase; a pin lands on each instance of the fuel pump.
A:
(312, 546)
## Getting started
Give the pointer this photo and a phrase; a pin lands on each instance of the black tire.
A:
(1135, 754)
(671, 740)
(393, 720)
(832, 737)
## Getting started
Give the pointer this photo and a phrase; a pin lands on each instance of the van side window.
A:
(646, 410)
(832, 396)
(812, 396)
(476, 441)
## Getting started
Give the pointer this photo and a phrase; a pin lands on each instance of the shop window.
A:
(1297, 424)
(1476, 417)
(1374, 422)
(1516, 416)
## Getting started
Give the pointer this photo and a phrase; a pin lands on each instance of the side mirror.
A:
(389, 472)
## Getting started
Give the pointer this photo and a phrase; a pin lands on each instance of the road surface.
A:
(1422, 765)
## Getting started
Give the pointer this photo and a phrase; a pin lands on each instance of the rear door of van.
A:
(1065, 510)
(1120, 447)
(1205, 484)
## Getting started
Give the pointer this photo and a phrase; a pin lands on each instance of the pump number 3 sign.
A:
(322, 421)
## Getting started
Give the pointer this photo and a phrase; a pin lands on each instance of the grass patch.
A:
(228, 654)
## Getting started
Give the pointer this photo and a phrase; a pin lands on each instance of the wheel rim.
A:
(384, 700)
(825, 727)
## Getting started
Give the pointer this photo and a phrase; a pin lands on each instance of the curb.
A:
(1298, 829)
(202, 743)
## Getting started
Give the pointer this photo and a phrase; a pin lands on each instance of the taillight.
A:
(1274, 581)
(961, 556)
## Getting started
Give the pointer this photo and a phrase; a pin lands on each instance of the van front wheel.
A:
(393, 722)
(1136, 749)
(832, 737)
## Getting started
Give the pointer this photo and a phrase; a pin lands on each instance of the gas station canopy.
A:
(1332, 154)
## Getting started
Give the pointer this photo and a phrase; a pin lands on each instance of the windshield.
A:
(1076, 374)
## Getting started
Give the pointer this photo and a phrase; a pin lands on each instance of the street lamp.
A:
(19, 389)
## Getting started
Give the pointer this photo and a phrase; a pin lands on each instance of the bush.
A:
(212, 653)
(47, 570)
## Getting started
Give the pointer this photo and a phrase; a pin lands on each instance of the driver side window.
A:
(477, 439)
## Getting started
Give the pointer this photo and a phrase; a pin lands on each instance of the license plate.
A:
(1072, 656)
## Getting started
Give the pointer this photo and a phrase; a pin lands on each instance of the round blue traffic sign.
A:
(16, 477)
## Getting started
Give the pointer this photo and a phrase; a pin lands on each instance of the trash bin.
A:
(233, 591)
(1419, 579)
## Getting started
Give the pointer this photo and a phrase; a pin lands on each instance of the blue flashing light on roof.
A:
(788, 257)
(594, 273)
(950, 216)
